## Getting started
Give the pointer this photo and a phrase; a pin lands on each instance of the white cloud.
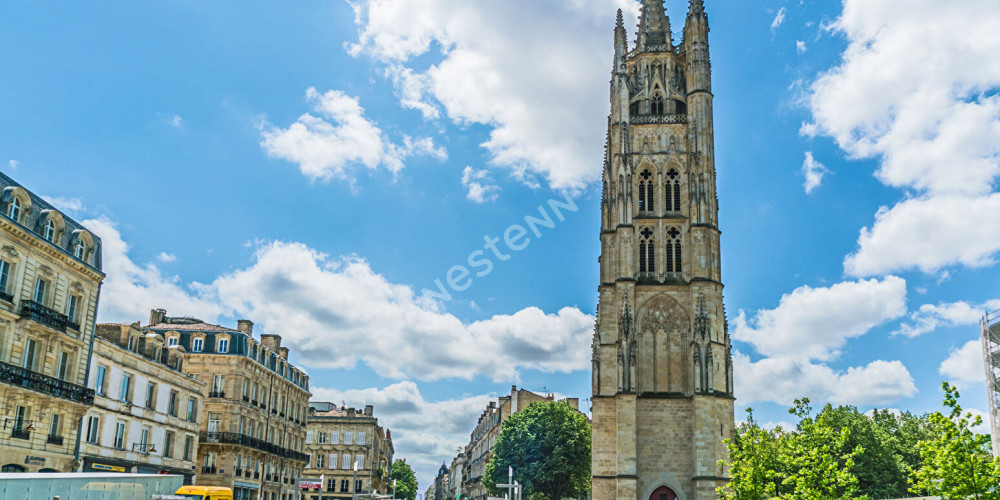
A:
(484, 76)
(174, 120)
(917, 90)
(166, 257)
(477, 182)
(964, 365)
(782, 380)
(779, 19)
(801, 47)
(131, 289)
(813, 171)
(815, 323)
(930, 316)
(13, 164)
(426, 433)
(330, 145)
(68, 205)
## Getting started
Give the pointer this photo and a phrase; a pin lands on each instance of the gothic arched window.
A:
(673, 191)
(674, 251)
(647, 251)
(646, 191)
(657, 106)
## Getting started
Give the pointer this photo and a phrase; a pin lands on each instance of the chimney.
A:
(574, 402)
(283, 352)
(156, 316)
(245, 326)
(272, 342)
(369, 411)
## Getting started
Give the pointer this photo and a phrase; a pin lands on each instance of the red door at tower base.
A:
(663, 493)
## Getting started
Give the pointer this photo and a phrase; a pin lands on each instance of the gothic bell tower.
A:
(662, 364)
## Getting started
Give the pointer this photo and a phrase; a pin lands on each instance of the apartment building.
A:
(338, 440)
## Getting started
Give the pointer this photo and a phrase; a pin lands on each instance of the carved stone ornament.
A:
(10, 251)
(46, 270)
(78, 287)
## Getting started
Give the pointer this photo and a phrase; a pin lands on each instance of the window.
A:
(125, 394)
(321, 438)
(331, 485)
(656, 107)
(674, 251)
(673, 191)
(223, 345)
(63, 370)
(40, 289)
(49, 231)
(144, 440)
(357, 486)
(54, 429)
(345, 462)
(192, 415)
(150, 396)
(14, 209)
(197, 344)
(646, 203)
(172, 341)
(333, 460)
(647, 251)
(359, 460)
(344, 485)
(319, 461)
(101, 380)
(80, 249)
(188, 444)
(120, 435)
(172, 404)
(168, 444)
(21, 418)
(131, 343)
(28, 361)
(93, 429)
(218, 384)
(361, 438)
(4, 275)
(348, 438)
(71, 308)
(335, 437)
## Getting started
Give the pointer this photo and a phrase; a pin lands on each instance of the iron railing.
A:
(252, 442)
(22, 377)
(56, 440)
(49, 317)
(658, 119)
(6, 296)
(217, 394)
(20, 433)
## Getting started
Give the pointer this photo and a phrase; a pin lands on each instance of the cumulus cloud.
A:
(782, 380)
(425, 432)
(779, 19)
(131, 289)
(478, 184)
(815, 323)
(337, 312)
(801, 47)
(930, 316)
(482, 77)
(68, 205)
(964, 365)
(917, 90)
(813, 171)
(166, 257)
(331, 145)
(13, 164)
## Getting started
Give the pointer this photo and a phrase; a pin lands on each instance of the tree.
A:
(406, 480)
(548, 446)
(755, 469)
(956, 462)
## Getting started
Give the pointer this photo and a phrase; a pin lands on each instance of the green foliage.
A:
(955, 461)
(548, 445)
(406, 480)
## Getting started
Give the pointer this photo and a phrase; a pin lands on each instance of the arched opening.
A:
(673, 191)
(48, 470)
(680, 108)
(657, 106)
(663, 493)
(645, 191)
(12, 468)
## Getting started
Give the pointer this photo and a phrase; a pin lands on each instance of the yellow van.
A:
(204, 493)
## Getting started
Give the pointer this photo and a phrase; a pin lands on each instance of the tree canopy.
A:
(406, 480)
(548, 445)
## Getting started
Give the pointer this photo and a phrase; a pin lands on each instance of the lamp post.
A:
(393, 489)
(354, 483)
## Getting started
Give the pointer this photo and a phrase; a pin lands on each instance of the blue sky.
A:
(314, 166)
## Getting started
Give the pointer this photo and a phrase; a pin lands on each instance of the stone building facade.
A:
(146, 411)
(50, 277)
(479, 450)
(662, 365)
(253, 422)
(339, 438)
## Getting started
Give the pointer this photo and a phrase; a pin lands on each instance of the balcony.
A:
(252, 442)
(246, 399)
(44, 384)
(209, 470)
(20, 434)
(253, 402)
(217, 394)
(658, 119)
(6, 297)
(239, 472)
(38, 313)
(56, 440)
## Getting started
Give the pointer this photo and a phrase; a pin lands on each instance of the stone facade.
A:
(146, 410)
(339, 438)
(479, 450)
(253, 422)
(50, 276)
(662, 366)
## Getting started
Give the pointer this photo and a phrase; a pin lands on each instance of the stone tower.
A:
(662, 365)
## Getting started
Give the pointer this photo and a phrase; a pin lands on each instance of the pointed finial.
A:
(654, 25)
(621, 21)
(696, 8)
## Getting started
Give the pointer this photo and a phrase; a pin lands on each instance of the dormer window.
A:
(197, 344)
(80, 249)
(172, 341)
(223, 346)
(14, 209)
(49, 231)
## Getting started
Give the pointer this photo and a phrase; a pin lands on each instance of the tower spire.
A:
(696, 8)
(654, 25)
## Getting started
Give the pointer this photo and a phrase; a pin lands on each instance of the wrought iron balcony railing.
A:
(252, 442)
(22, 377)
(217, 394)
(20, 433)
(6, 296)
(49, 317)
(56, 440)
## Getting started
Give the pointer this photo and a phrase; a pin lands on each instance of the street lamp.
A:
(393, 489)
(354, 483)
